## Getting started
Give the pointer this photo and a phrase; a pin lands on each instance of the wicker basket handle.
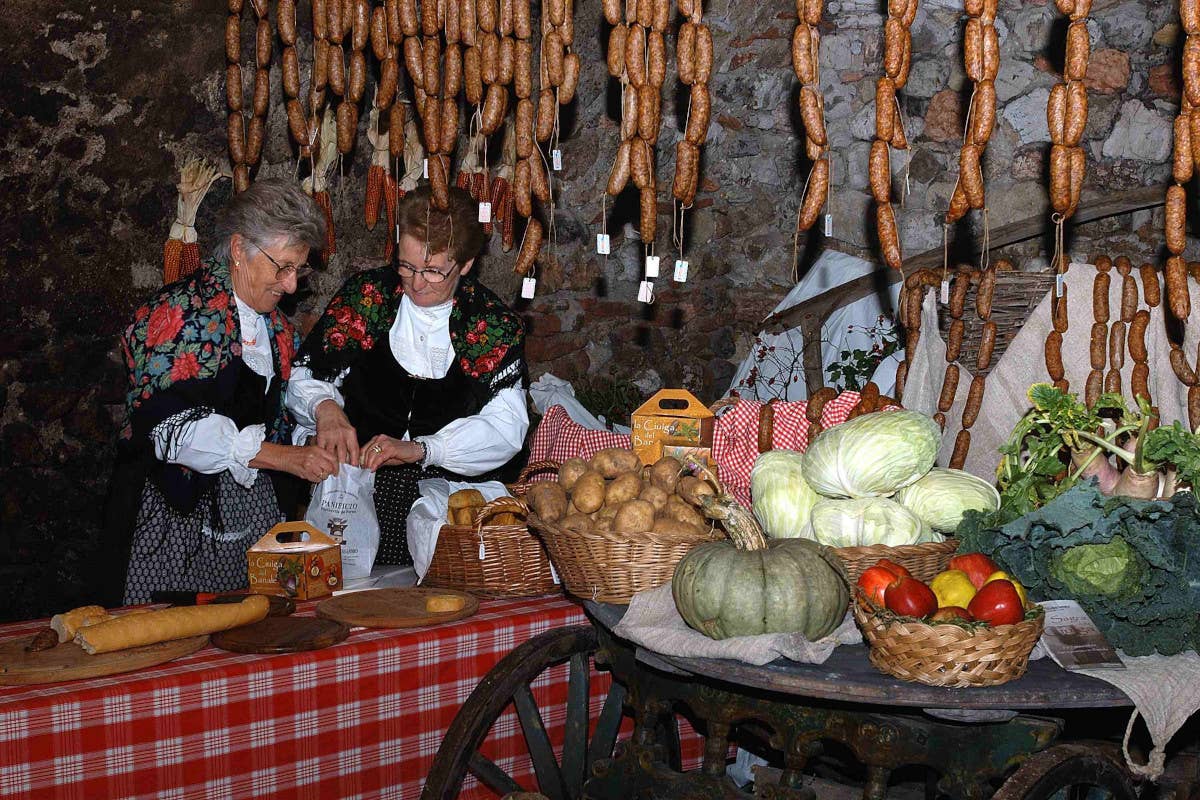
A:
(534, 467)
(501, 505)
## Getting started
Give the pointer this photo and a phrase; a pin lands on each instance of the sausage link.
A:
(962, 446)
(701, 109)
(1053, 353)
(816, 194)
(495, 103)
(394, 29)
(530, 247)
(1097, 349)
(1100, 289)
(1139, 382)
(1176, 219)
(645, 13)
(685, 53)
(233, 87)
(356, 81)
(1124, 265)
(431, 125)
(1059, 312)
(233, 39)
(1150, 287)
(379, 33)
(1078, 46)
(524, 128)
(452, 70)
(1112, 381)
(1189, 16)
(1060, 177)
(396, 116)
(552, 57)
(504, 22)
(812, 115)
(254, 139)
(1116, 346)
(687, 166)
(539, 181)
(297, 125)
(802, 52)
(235, 130)
(1137, 336)
(893, 46)
(987, 290)
(901, 76)
(571, 67)
(991, 51)
(336, 67)
(974, 401)
(629, 112)
(949, 388)
(970, 174)
(889, 237)
(262, 43)
(885, 108)
(954, 339)
(522, 19)
(612, 11)
(522, 200)
(641, 163)
(546, 107)
(1178, 297)
(523, 69)
(1191, 69)
(1056, 113)
(1094, 387)
(959, 205)
(656, 56)
(432, 66)
(619, 176)
(347, 122)
(983, 113)
(973, 49)
(880, 172)
(635, 56)
(487, 13)
(1194, 407)
(489, 58)
(1129, 298)
(335, 26)
(616, 49)
(648, 206)
(468, 23)
(506, 66)
(704, 53)
(1076, 115)
(812, 11)
(473, 77)
(449, 135)
(410, 22)
(661, 17)
(1182, 166)
(360, 30)
(987, 344)
(1183, 370)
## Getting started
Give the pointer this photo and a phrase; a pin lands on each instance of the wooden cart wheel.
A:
(1076, 771)
(509, 682)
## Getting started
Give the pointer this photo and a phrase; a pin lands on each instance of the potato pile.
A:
(615, 492)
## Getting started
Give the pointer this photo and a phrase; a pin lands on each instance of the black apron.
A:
(383, 397)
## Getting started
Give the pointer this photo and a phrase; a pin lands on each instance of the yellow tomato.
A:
(952, 588)
(1001, 575)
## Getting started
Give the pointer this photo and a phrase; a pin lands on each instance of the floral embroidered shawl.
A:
(488, 337)
(189, 332)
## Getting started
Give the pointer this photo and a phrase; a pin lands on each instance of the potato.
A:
(587, 493)
(613, 461)
(665, 473)
(674, 526)
(634, 516)
(548, 500)
(690, 488)
(605, 524)
(678, 509)
(626, 486)
(467, 498)
(606, 512)
(576, 522)
(570, 471)
(654, 496)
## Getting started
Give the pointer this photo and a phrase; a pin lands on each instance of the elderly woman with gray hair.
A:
(209, 359)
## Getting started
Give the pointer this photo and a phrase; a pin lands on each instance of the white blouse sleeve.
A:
(476, 444)
(304, 394)
(209, 445)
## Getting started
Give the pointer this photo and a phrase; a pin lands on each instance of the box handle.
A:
(314, 535)
(679, 400)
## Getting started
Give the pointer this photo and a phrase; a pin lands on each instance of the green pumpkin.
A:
(737, 588)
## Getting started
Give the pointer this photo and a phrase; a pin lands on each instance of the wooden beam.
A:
(1090, 210)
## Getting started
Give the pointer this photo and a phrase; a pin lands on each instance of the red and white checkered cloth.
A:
(735, 437)
(361, 719)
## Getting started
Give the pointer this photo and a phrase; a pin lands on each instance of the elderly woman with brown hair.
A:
(209, 359)
(416, 369)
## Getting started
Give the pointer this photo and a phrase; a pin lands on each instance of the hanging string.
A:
(985, 258)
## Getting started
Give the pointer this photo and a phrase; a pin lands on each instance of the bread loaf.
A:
(135, 630)
(66, 625)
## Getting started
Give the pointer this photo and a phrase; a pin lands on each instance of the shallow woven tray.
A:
(947, 655)
(922, 560)
(611, 567)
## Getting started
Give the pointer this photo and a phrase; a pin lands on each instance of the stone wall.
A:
(101, 103)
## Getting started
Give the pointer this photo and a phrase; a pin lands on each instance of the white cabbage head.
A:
(942, 496)
(872, 455)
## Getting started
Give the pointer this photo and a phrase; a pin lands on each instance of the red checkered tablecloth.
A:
(361, 719)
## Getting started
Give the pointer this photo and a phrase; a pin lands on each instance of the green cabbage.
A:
(1112, 569)
(942, 497)
(782, 497)
(872, 455)
(864, 521)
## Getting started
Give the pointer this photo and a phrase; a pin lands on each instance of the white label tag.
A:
(602, 244)
(651, 266)
(425, 169)
(945, 296)
(829, 224)
(646, 292)
(681, 267)
(556, 160)
(1059, 280)
(528, 287)
(485, 212)
(482, 550)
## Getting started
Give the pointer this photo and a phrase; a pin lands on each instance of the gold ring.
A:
(376, 449)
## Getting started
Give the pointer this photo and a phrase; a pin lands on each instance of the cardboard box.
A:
(294, 559)
(670, 417)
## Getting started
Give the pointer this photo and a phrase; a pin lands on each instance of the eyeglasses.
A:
(430, 275)
(282, 273)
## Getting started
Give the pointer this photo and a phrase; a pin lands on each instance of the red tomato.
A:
(874, 581)
(949, 613)
(910, 598)
(977, 566)
(997, 603)
(893, 567)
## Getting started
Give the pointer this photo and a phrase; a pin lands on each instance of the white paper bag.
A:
(428, 515)
(343, 506)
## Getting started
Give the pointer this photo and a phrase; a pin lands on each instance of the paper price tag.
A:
(482, 550)
(646, 292)
(681, 268)
(1059, 281)
(829, 224)
(485, 212)
(603, 244)
(556, 160)
(528, 287)
(945, 296)
(651, 266)
(425, 169)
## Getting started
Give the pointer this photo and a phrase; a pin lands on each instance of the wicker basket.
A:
(922, 560)
(612, 567)
(493, 560)
(1015, 297)
(947, 655)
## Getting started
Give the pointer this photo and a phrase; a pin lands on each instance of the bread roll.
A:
(170, 623)
(65, 625)
(444, 603)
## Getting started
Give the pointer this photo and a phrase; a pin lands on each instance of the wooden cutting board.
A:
(394, 608)
(282, 635)
(69, 662)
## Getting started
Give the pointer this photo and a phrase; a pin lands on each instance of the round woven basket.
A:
(922, 560)
(947, 655)
(494, 560)
(612, 567)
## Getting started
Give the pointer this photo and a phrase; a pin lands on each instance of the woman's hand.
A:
(336, 434)
(384, 451)
(313, 464)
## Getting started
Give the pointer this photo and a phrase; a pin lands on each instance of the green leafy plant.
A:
(612, 398)
(854, 367)
(1175, 447)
